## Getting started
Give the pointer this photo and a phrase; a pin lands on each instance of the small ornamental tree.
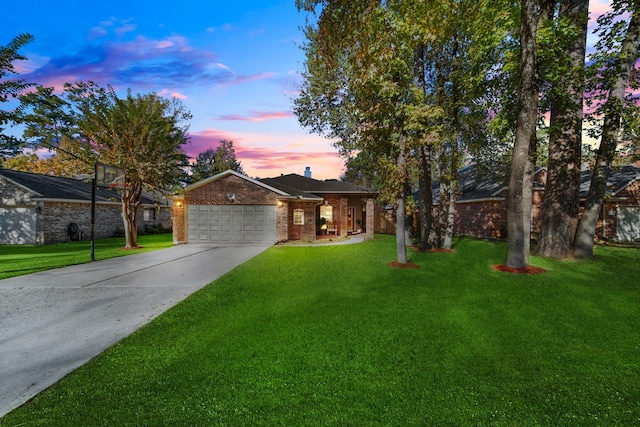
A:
(140, 133)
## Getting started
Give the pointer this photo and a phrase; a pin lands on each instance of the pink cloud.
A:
(258, 116)
(125, 29)
(164, 44)
(203, 140)
(254, 77)
(167, 92)
(262, 155)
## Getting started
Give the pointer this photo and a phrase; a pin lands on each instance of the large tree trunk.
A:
(426, 196)
(425, 192)
(585, 236)
(447, 241)
(519, 194)
(401, 243)
(561, 197)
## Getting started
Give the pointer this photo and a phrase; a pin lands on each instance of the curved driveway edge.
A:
(55, 321)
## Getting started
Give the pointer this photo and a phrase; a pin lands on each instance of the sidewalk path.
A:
(55, 321)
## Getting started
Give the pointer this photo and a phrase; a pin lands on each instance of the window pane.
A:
(326, 212)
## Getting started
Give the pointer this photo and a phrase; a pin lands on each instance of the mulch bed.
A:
(397, 264)
(436, 250)
(529, 269)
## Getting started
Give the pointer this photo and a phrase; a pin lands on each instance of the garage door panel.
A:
(628, 219)
(232, 223)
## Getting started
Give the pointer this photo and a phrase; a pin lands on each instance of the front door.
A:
(351, 219)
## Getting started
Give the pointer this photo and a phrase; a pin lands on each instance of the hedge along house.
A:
(233, 208)
(40, 209)
(481, 207)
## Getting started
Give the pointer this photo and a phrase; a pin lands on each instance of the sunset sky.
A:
(234, 64)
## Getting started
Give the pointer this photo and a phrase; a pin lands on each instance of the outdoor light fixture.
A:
(178, 203)
(231, 197)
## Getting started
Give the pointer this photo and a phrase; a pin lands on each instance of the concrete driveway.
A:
(55, 321)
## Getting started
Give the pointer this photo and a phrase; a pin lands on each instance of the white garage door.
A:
(232, 223)
(17, 226)
(628, 223)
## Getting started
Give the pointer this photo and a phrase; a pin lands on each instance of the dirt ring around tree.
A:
(529, 269)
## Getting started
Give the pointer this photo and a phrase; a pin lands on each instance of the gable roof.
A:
(299, 183)
(474, 189)
(618, 180)
(283, 193)
(59, 188)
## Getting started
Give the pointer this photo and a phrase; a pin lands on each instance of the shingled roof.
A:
(473, 189)
(59, 188)
(294, 183)
(618, 180)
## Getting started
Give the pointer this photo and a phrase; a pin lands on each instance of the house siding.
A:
(58, 215)
(282, 222)
(307, 231)
(488, 218)
(215, 193)
(27, 217)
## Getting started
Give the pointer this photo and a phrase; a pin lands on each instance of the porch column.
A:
(344, 216)
(370, 227)
(179, 221)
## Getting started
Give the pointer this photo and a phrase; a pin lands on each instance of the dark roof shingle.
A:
(303, 184)
(56, 187)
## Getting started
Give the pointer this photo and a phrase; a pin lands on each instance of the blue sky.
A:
(234, 64)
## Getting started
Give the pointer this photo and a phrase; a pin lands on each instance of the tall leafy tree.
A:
(563, 55)
(140, 133)
(47, 117)
(402, 82)
(10, 88)
(519, 197)
(357, 85)
(611, 73)
(215, 160)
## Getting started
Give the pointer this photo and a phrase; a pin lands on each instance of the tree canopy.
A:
(140, 133)
(215, 160)
(11, 88)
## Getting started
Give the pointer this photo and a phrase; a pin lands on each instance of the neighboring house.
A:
(481, 207)
(40, 209)
(231, 207)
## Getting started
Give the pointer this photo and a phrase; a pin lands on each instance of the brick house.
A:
(38, 209)
(231, 207)
(481, 207)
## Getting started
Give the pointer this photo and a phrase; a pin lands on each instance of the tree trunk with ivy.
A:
(561, 196)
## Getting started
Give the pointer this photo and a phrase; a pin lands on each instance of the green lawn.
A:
(16, 260)
(308, 336)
